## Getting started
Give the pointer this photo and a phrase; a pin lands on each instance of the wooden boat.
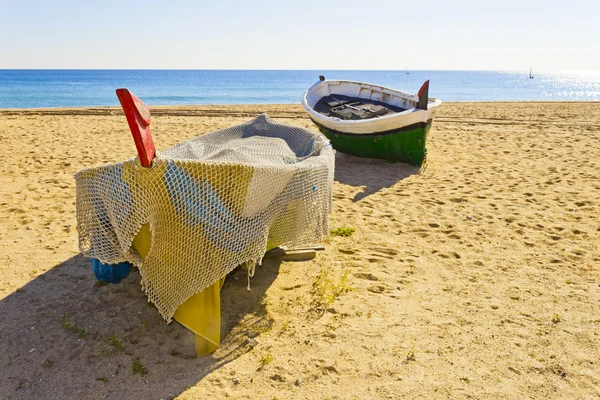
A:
(372, 121)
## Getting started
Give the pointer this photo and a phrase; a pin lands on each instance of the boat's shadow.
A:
(65, 336)
(372, 174)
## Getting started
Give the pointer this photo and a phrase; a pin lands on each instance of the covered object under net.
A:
(206, 206)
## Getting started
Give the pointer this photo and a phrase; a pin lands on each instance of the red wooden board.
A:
(138, 118)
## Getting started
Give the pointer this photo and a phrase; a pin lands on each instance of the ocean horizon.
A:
(37, 88)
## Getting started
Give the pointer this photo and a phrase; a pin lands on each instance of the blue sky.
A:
(361, 34)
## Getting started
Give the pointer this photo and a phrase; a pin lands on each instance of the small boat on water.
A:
(372, 121)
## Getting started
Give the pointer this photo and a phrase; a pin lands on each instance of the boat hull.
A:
(398, 137)
(406, 144)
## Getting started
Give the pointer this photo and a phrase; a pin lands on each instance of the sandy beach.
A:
(477, 277)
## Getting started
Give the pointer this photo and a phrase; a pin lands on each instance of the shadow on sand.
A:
(63, 336)
(371, 173)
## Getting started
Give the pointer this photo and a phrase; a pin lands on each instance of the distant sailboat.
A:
(407, 73)
(530, 75)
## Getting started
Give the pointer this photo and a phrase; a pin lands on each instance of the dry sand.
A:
(476, 278)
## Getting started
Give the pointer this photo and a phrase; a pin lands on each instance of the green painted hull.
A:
(396, 146)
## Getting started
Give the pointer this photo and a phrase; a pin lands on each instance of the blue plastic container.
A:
(112, 273)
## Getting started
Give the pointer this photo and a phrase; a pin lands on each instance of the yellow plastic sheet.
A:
(201, 313)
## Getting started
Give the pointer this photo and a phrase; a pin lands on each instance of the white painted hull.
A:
(367, 91)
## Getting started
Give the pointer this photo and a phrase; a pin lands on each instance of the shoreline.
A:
(291, 109)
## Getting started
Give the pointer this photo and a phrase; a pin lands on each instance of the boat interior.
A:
(353, 108)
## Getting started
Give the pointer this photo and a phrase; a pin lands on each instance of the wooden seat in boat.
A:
(353, 108)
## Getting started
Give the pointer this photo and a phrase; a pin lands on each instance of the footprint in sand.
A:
(376, 289)
(385, 251)
(347, 251)
(369, 277)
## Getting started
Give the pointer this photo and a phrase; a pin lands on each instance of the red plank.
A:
(138, 118)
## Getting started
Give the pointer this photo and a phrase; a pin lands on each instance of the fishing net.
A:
(212, 203)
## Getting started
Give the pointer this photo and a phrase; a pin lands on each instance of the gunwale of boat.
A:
(366, 91)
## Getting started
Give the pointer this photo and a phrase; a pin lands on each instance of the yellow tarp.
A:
(201, 313)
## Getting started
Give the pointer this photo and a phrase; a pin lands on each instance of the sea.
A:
(88, 88)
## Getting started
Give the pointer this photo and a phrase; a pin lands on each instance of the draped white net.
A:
(212, 203)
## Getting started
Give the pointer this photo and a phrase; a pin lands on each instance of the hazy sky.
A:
(325, 34)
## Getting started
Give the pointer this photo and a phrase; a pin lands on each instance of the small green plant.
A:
(326, 291)
(411, 356)
(73, 327)
(343, 232)
(115, 342)
(138, 368)
(102, 379)
(287, 329)
(100, 283)
(464, 379)
(267, 359)
(556, 318)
